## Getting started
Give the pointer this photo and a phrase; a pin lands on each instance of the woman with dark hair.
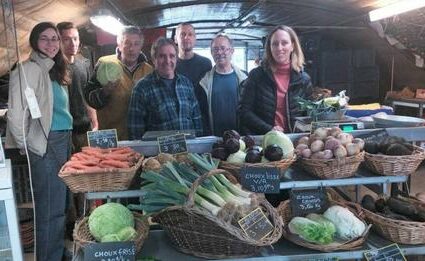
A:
(269, 93)
(46, 139)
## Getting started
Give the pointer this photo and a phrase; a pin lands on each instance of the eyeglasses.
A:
(222, 49)
(47, 40)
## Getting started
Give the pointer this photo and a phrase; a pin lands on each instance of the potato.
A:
(340, 152)
(359, 142)
(332, 143)
(304, 140)
(317, 145)
(306, 153)
(352, 149)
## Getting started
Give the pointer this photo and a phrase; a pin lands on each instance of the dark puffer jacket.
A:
(258, 100)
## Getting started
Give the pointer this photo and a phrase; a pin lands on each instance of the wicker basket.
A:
(284, 210)
(332, 168)
(402, 232)
(113, 179)
(82, 236)
(196, 232)
(395, 165)
(234, 168)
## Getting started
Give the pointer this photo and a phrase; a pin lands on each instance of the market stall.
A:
(158, 245)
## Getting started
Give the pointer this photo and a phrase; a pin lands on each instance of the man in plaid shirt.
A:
(163, 100)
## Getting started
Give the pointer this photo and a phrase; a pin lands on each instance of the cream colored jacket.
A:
(33, 73)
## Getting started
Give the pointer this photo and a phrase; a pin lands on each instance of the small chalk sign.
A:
(308, 201)
(172, 144)
(122, 251)
(256, 225)
(260, 180)
(391, 252)
(103, 138)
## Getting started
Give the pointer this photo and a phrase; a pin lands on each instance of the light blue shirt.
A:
(62, 118)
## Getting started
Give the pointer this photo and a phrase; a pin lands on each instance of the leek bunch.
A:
(171, 185)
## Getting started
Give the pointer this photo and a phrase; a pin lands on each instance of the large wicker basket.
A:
(398, 231)
(395, 165)
(113, 179)
(234, 168)
(284, 210)
(332, 168)
(197, 232)
(82, 236)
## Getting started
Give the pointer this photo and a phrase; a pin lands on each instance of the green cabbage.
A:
(311, 231)
(108, 71)
(108, 219)
(279, 138)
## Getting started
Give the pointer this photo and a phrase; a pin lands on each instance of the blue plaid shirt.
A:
(154, 107)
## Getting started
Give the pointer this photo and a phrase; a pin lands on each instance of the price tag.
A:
(122, 251)
(256, 225)
(172, 144)
(308, 201)
(103, 138)
(374, 136)
(260, 180)
(388, 253)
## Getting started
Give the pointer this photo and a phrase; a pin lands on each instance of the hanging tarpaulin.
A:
(8, 36)
(406, 32)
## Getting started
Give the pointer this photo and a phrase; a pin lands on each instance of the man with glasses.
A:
(192, 65)
(111, 100)
(221, 87)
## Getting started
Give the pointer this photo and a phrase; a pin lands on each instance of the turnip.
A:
(327, 154)
(318, 155)
(345, 138)
(306, 153)
(359, 142)
(340, 152)
(335, 131)
(300, 148)
(332, 143)
(321, 132)
(352, 149)
(317, 145)
(304, 140)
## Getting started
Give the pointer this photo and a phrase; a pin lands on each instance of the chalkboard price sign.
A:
(103, 138)
(111, 251)
(389, 253)
(172, 144)
(260, 180)
(256, 225)
(308, 201)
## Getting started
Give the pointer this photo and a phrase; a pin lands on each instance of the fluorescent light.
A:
(107, 22)
(395, 9)
(249, 21)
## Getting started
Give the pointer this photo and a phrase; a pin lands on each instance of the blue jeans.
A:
(50, 194)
